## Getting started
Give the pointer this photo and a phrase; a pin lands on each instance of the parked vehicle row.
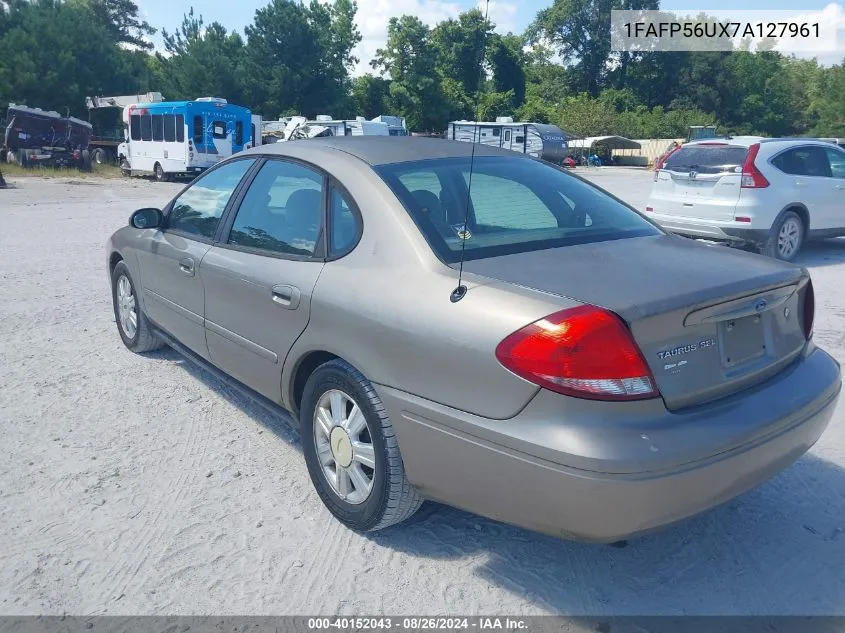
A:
(771, 194)
(480, 328)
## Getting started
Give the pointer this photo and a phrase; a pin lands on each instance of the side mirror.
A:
(146, 219)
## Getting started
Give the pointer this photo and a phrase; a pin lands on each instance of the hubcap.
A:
(344, 446)
(789, 237)
(126, 312)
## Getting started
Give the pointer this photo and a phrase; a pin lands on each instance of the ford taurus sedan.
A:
(486, 330)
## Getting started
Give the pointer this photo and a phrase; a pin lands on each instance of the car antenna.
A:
(460, 292)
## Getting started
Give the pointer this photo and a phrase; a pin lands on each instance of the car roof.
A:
(386, 150)
(736, 141)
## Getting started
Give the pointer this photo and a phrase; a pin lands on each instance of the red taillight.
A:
(584, 352)
(650, 209)
(751, 176)
(809, 310)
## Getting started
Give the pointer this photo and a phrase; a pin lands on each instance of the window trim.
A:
(247, 177)
(225, 228)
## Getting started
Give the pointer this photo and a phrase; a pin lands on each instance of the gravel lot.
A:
(141, 485)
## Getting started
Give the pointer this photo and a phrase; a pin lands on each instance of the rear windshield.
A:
(707, 159)
(515, 205)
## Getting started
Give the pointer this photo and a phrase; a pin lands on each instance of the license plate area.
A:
(742, 340)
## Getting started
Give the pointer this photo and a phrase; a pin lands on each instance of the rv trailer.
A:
(539, 140)
(395, 124)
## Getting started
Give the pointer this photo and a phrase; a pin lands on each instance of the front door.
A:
(259, 279)
(170, 259)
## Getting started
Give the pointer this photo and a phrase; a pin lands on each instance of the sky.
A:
(508, 15)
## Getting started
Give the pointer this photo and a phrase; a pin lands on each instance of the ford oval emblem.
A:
(760, 305)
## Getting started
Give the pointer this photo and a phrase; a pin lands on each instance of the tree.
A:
(369, 95)
(300, 56)
(203, 62)
(410, 61)
(121, 19)
(507, 63)
(459, 46)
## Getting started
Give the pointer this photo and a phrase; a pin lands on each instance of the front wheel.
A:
(351, 450)
(132, 324)
(786, 237)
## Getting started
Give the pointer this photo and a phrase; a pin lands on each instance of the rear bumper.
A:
(604, 482)
(730, 232)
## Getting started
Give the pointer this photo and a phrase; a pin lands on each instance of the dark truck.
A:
(39, 137)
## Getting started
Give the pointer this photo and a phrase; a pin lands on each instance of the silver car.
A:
(486, 331)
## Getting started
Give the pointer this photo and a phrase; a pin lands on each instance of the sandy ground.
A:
(140, 485)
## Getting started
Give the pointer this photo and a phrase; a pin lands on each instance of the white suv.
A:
(772, 194)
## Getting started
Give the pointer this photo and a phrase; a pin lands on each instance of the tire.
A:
(391, 499)
(98, 156)
(86, 161)
(125, 169)
(786, 237)
(158, 173)
(143, 339)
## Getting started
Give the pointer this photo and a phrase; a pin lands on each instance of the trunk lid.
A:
(709, 320)
(701, 181)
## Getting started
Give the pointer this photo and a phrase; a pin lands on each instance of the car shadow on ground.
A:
(776, 550)
(822, 253)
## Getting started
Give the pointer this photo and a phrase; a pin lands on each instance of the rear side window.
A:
(169, 128)
(146, 127)
(199, 208)
(199, 129)
(180, 128)
(707, 159)
(804, 161)
(515, 205)
(282, 212)
(837, 163)
(158, 127)
(343, 223)
(239, 133)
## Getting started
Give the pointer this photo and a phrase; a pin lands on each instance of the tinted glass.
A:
(146, 127)
(343, 222)
(135, 127)
(199, 129)
(837, 163)
(199, 208)
(239, 133)
(180, 128)
(707, 159)
(158, 127)
(169, 128)
(803, 161)
(282, 211)
(517, 205)
(218, 129)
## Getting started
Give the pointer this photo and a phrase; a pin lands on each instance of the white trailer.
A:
(535, 139)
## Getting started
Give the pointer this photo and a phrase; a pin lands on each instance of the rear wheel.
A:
(351, 450)
(86, 160)
(98, 157)
(125, 169)
(158, 171)
(786, 237)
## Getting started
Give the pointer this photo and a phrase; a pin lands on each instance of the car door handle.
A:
(286, 296)
(186, 265)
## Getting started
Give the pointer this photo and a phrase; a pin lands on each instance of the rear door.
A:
(810, 181)
(701, 181)
(836, 158)
(259, 279)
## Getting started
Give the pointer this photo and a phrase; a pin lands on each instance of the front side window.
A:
(803, 161)
(515, 205)
(282, 212)
(199, 209)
